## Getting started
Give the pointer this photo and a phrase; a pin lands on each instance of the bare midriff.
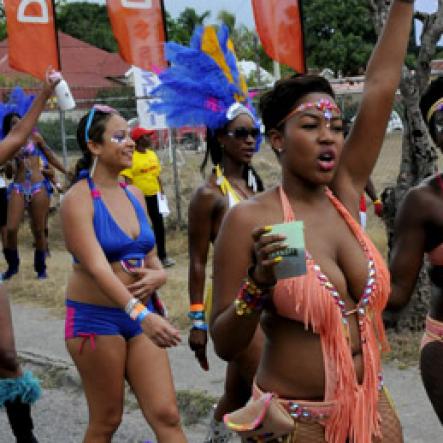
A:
(32, 164)
(83, 288)
(292, 364)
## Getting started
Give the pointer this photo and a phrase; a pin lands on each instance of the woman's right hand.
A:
(52, 78)
(264, 245)
(160, 331)
(198, 340)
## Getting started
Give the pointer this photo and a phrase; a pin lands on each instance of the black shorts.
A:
(3, 206)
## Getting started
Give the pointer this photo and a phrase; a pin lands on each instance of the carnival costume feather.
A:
(19, 103)
(203, 86)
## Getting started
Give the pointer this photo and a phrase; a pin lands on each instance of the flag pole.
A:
(162, 6)
(300, 7)
(173, 143)
(61, 113)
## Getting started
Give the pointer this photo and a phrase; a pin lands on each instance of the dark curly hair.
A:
(432, 93)
(277, 103)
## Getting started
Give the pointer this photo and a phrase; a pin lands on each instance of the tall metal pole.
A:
(61, 113)
(300, 5)
(63, 134)
(173, 144)
(176, 178)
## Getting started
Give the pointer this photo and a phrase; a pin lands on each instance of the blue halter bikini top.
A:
(117, 244)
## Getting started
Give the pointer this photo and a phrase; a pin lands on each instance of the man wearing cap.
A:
(144, 174)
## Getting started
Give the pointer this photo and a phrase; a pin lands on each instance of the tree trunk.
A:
(419, 159)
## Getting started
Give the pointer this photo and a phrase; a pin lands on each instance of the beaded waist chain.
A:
(302, 410)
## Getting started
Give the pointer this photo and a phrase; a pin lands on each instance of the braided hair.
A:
(215, 152)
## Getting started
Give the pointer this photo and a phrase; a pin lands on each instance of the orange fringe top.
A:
(312, 299)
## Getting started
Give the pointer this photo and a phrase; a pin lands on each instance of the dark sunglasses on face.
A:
(242, 132)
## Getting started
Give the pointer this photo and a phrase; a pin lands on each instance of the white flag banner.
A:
(144, 83)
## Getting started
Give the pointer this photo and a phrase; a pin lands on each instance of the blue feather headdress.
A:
(19, 103)
(203, 86)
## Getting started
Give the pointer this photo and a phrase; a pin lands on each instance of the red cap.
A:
(138, 132)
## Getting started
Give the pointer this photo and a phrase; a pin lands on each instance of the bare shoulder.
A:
(77, 198)
(260, 210)
(206, 194)
(137, 192)
(37, 138)
(419, 201)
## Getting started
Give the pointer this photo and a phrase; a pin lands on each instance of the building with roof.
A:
(86, 68)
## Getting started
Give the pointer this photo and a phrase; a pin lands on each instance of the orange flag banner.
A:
(32, 38)
(279, 26)
(139, 31)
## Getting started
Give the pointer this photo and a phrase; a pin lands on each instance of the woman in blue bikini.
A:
(32, 190)
(113, 330)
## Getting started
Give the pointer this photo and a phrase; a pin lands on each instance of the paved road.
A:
(61, 414)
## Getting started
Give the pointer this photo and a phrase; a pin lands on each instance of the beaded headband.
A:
(437, 106)
(323, 105)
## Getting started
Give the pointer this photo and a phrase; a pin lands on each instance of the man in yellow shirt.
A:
(145, 174)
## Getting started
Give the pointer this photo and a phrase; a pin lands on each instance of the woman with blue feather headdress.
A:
(18, 390)
(30, 187)
(204, 87)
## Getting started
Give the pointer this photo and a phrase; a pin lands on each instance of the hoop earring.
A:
(94, 165)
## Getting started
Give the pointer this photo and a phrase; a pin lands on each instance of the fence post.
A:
(63, 134)
(173, 148)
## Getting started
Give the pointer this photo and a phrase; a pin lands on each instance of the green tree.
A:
(339, 36)
(88, 22)
(181, 29)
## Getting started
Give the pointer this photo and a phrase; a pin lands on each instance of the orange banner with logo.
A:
(32, 38)
(139, 31)
(279, 26)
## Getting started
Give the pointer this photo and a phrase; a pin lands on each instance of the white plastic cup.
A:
(65, 100)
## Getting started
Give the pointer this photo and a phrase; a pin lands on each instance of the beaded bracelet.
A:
(200, 325)
(197, 315)
(196, 307)
(130, 305)
(139, 312)
(250, 297)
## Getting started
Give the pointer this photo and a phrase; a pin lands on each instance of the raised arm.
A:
(49, 154)
(408, 250)
(362, 147)
(20, 132)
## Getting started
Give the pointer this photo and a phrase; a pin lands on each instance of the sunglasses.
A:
(243, 133)
(101, 108)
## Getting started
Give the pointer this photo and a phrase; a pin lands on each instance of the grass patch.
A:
(405, 348)
(194, 405)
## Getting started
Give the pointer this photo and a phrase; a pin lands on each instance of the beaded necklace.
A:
(368, 290)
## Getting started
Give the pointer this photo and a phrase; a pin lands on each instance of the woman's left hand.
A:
(149, 280)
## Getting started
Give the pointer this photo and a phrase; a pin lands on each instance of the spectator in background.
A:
(145, 175)
(371, 192)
